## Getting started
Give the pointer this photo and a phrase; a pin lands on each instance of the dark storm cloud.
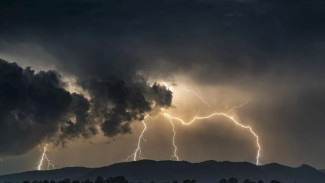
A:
(31, 107)
(83, 124)
(270, 48)
(160, 95)
(35, 108)
(118, 103)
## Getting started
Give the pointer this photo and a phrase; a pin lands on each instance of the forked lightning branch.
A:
(138, 152)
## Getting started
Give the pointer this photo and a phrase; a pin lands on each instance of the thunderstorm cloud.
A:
(35, 108)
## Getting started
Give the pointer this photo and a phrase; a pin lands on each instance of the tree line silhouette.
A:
(122, 179)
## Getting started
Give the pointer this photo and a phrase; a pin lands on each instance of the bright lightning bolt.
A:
(236, 122)
(173, 140)
(137, 152)
(227, 116)
(44, 156)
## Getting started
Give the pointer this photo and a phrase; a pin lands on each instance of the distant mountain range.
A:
(162, 171)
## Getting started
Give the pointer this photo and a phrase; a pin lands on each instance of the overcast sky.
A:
(82, 75)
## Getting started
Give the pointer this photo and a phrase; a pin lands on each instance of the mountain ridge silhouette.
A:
(162, 171)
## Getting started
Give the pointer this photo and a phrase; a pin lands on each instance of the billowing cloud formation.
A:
(83, 124)
(118, 103)
(35, 108)
(31, 107)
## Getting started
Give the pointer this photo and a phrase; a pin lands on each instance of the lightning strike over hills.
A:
(227, 116)
(224, 114)
(44, 156)
(138, 152)
(175, 156)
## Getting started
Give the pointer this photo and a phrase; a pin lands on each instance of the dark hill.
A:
(162, 171)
